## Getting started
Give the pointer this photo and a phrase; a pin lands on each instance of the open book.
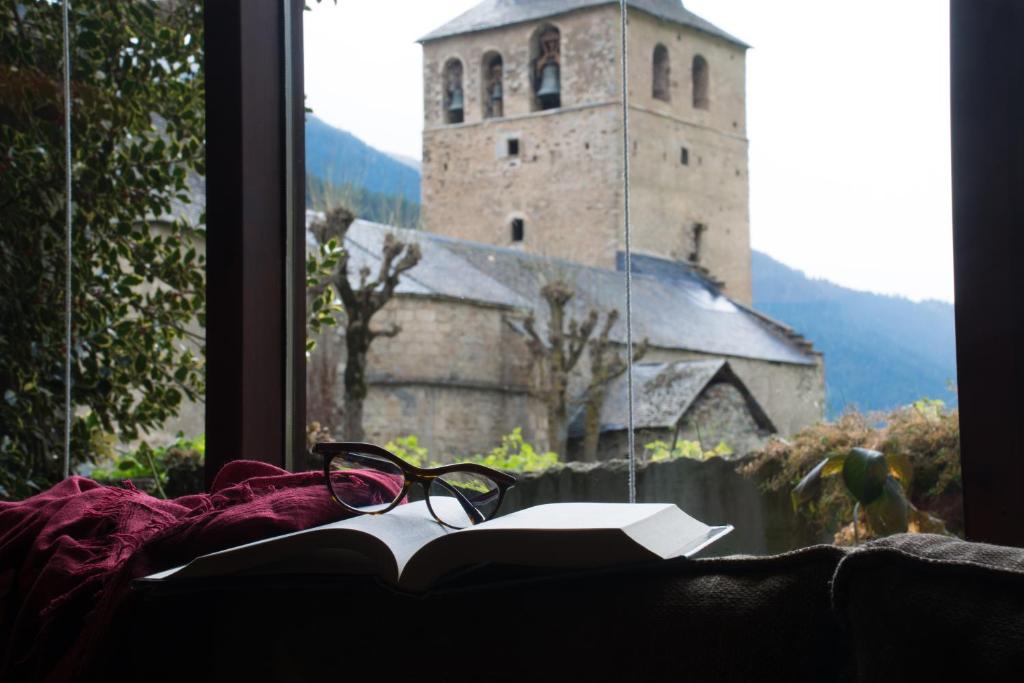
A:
(409, 549)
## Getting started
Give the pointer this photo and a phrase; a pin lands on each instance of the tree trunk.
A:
(557, 428)
(322, 401)
(357, 342)
(354, 419)
(592, 424)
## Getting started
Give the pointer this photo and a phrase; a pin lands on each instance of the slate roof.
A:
(662, 394)
(439, 273)
(685, 313)
(497, 13)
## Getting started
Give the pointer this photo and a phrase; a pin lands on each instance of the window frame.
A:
(255, 285)
(987, 107)
(246, 65)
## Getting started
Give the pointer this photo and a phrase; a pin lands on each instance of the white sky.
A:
(848, 119)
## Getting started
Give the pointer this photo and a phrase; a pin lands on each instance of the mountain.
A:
(880, 351)
(341, 159)
(372, 206)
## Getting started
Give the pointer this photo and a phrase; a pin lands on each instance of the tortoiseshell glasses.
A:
(368, 479)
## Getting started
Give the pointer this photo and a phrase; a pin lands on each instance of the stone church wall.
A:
(456, 376)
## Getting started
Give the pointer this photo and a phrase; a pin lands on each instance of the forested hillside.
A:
(880, 351)
(341, 159)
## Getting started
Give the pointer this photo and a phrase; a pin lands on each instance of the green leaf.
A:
(865, 473)
(889, 512)
(809, 487)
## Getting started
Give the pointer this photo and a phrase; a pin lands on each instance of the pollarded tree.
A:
(557, 355)
(605, 365)
(360, 304)
(138, 131)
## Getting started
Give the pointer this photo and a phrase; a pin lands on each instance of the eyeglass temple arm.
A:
(475, 515)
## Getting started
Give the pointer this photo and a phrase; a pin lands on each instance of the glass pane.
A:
(137, 270)
(491, 142)
(793, 267)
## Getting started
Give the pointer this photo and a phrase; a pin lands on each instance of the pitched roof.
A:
(683, 312)
(662, 394)
(496, 13)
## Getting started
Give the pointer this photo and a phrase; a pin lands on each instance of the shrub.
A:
(167, 471)
(925, 435)
(516, 455)
(513, 454)
(659, 451)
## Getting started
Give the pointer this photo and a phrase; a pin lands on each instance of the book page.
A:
(578, 535)
(386, 541)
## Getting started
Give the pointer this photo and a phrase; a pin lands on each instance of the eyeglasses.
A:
(368, 479)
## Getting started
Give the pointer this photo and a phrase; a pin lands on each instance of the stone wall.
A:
(456, 376)
(793, 396)
(565, 183)
(719, 415)
(711, 491)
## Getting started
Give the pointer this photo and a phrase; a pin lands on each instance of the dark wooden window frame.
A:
(987, 91)
(255, 298)
(255, 400)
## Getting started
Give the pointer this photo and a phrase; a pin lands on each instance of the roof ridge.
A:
(491, 14)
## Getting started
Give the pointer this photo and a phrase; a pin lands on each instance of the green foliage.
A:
(920, 450)
(516, 455)
(173, 470)
(513, 454)
(871, 479)
(409, 449)
(660, 451)
(137, 289)
(324, 305)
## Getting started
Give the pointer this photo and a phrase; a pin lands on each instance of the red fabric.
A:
(67, 555)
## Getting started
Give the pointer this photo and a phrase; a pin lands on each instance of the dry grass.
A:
(925, 433)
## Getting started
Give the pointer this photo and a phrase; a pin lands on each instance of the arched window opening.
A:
(661, 89)
(494, 89)
(546, 60)
(518, 229)
(697, 231)
(700, 83)
(454, 100)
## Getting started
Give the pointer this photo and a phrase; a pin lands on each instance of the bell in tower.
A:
(549, 93)
(547, 74)
(454, 100)
(455, 106)
(495, 96)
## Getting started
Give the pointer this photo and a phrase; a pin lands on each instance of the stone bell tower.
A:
(522, 133)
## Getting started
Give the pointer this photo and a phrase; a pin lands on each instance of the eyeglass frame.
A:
(424, 476)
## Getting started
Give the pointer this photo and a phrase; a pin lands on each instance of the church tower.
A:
(522, 134)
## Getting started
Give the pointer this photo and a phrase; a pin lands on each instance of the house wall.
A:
(566, 182)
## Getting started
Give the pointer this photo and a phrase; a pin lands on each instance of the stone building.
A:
(523, 186)
(460, 374)
(702, 401)
(505, 166)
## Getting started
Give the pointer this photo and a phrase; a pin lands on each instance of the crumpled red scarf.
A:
(68, 555)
